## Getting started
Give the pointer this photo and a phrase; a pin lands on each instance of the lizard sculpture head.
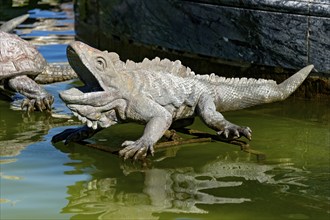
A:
(90, 102)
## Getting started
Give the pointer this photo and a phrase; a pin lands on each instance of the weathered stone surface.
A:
(319, 43)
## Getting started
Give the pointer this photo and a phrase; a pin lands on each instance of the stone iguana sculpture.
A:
(160, 94)
(22, 66)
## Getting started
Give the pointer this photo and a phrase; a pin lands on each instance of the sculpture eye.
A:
(100, 63)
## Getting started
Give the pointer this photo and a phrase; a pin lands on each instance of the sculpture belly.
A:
(184, 111)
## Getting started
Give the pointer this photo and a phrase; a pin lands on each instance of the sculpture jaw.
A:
(90, 101)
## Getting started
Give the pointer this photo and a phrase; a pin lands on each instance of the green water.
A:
(40, 180)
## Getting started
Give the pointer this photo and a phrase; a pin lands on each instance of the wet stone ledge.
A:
(303, 7)
(287, 34)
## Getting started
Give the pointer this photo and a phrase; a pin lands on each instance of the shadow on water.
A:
(40, 180)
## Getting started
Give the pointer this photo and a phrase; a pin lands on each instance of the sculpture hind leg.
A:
(37, 97)
(207, 111)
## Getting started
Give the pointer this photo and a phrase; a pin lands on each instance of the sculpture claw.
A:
(232, 132)
(48, 102)
(28, 105)
(247, 132)
(38, 104)
(136, 150)
(236, 134)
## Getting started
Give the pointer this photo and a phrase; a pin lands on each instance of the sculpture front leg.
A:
(158, 121)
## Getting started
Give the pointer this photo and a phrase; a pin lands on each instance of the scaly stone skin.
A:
(160, 94)
(22, 67)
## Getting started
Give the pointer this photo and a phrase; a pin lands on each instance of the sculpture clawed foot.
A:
(136, 150)
(74, 135)
(232, 132)
(40, 104)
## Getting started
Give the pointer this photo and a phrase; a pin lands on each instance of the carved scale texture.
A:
(177, 69)
(166, 82)
(182, 86)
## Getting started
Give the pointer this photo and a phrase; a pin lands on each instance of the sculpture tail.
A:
(288, 86)
(13, 23)
(56, 73)
(242, 93)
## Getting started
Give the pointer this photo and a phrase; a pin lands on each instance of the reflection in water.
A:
(19, 130)
(174, 190)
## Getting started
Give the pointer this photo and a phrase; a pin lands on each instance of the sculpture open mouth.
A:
(88, 101)
(81, 63)
(79, 56)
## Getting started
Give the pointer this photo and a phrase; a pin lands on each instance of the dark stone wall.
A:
(274, 34)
